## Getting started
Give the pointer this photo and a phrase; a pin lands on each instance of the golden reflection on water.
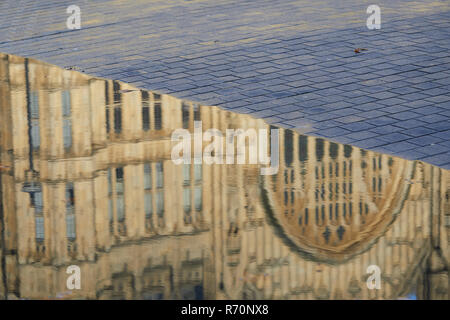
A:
(87, 179)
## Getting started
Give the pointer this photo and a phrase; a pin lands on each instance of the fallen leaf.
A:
(358, 50)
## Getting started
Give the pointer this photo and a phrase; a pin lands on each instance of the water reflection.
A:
(86, 179)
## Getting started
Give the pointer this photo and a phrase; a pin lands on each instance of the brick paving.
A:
(289, 62)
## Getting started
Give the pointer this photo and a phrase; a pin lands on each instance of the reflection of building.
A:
(328, 197)
(139, 226)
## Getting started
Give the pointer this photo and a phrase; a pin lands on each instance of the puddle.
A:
(87, 179)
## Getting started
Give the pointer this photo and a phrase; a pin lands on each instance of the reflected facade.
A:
(87, 179)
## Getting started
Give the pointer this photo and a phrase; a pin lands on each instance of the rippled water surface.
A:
(87, 179)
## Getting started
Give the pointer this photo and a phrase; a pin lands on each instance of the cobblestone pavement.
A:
(290, 62)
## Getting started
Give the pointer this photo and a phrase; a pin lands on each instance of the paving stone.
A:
(406, 115)
(393, 137)
(400, 146)
(370, 143)
(332, 132)
(442, 160)
(425, 140)
(418, 131)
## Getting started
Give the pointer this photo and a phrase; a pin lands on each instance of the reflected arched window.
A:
(340, 232)
(326, 234)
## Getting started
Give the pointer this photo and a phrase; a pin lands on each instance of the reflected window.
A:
(147, 176)
(340, 232)
(185, 110)
(36, 201)
(198, 172)
(34, 115)
(148, 201)
(153, 197)
(37, 204)
(198, 198)
(187, 200)
(319, 149)
(119, 180)
(110, 201)
(334, 150)
(197, 112)
(186, 174)
(117, 108)
(39, 224)
(145, 110)
(120, 205)
(108, 126)
(159, 175)
(347, 151)
(67, 120)
(158, 115)
(160, 203)
(288, 147)
(326, 234)
(303, 148)
(120, 208)
(192, 189)
(70, 212)
(110, 213)
(117, 120)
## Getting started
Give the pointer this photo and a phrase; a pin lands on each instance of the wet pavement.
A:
(291, 63)
(87, 179)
